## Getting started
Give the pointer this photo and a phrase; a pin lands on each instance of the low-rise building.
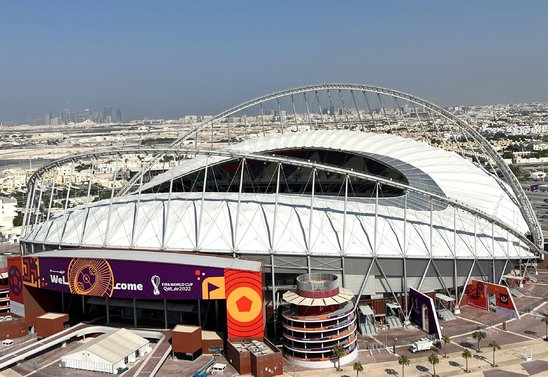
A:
(108, 353)
(8, 211)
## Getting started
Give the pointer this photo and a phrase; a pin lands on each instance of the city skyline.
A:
(173, 59)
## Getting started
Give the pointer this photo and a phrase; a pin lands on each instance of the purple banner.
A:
(125, 279)
(423, 312)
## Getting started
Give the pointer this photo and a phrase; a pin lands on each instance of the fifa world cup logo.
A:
(155, 280)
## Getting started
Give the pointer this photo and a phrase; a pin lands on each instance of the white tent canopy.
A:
(108, 352)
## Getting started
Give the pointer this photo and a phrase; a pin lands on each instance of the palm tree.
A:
(403, 361)
(466, 354)
(479, 335)
(545, 320)
(446, 339)
(494, 346)
(358, 368)
(338, 352)
(434, 359)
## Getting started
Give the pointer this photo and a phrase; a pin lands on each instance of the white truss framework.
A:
(482, 146)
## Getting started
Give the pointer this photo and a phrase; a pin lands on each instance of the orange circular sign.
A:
(244, 304)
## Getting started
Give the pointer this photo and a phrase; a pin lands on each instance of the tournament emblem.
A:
(155, 281)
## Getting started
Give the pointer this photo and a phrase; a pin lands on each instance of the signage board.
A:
(478, 293)
(123, 278)
(15, 283)
(423, 312)
(151, 280)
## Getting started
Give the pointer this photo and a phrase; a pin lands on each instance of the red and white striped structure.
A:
(321, 316)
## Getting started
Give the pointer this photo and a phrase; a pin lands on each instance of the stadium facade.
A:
(319, 179)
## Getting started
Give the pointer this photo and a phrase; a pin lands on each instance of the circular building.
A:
(321, 316)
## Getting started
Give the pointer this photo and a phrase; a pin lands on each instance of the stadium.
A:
(384, 190)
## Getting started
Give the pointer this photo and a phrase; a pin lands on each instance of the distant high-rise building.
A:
(107, 115)
(119, 116)
(86, 114)
(66, 116)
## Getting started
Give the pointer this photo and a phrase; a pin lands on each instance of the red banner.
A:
(15, 282)
(244, 304)
(478, 292)
(15, 279)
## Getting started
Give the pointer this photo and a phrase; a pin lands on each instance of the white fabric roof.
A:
(366, 310)
(444, 297)
(188, 223)
(343, 296)
(112, 347)
(457, 177)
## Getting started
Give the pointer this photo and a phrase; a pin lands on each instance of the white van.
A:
(218, 367)
(7, 342)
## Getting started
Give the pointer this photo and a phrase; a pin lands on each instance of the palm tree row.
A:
(479, 335)
(433, 359)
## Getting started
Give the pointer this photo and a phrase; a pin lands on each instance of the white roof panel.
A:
(298, 230)
(366, 310)
(112, 347)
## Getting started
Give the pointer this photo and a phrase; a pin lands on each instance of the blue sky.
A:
(169, 58)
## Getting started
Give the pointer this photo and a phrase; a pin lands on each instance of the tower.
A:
(321, 316)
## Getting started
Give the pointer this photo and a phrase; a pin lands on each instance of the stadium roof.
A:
(208, 222)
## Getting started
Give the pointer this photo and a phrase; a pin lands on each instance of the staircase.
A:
(394, 322)
(516, 293)
(368, 329)
(446, 315)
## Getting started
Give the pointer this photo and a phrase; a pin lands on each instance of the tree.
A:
(434, 359)
(494, 346)
(479, 335)
(338, 352)
(516, 170)
(403, 361)
(466, 354)
(358, 367)
(18, 220)
(545, 320)
(446, 339)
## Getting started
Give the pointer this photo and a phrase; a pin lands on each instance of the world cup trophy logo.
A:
(155, 280)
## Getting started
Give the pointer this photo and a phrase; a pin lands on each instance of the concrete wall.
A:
(187, 342)
(38, 302)
(46, 327)
(241, 361)
(13, 329)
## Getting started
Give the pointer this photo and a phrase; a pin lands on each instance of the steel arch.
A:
(524, 205)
